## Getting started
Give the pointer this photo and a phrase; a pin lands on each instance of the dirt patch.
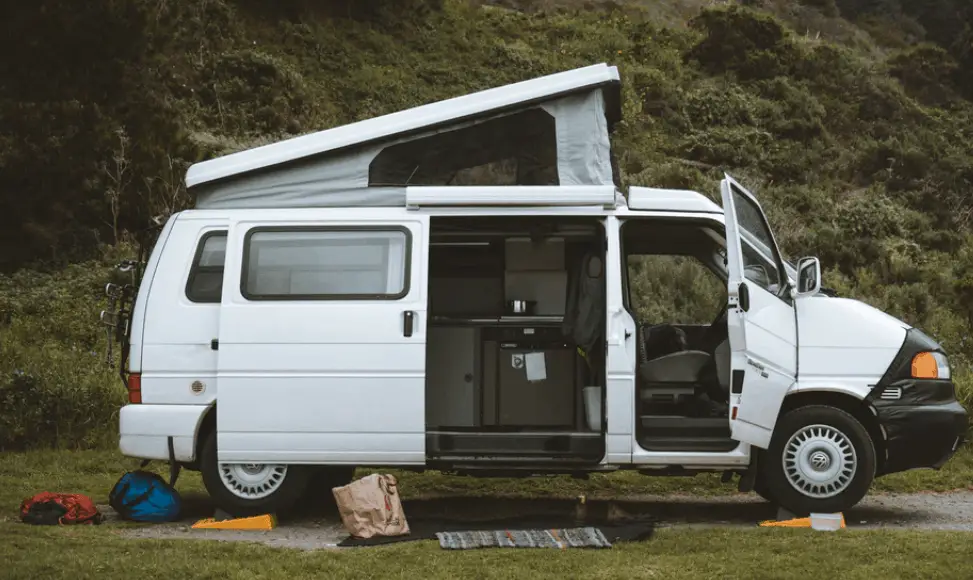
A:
(924, 511)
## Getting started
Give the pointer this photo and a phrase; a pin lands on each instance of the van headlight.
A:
(930, 365)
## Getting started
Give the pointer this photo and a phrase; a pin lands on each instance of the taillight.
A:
(135, 388)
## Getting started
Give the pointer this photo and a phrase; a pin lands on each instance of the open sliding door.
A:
(322, 339)
(761, 319)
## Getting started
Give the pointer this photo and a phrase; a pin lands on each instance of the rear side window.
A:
(326, 264)
(205, 284)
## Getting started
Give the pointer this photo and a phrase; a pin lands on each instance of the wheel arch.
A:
(857, 408)
(207, 425)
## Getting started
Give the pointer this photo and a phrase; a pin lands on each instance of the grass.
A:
(760, 553)
(100, 552)
(94, 472)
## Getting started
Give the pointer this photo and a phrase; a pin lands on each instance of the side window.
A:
(205, 283)
(516, 149)
(326, 264)
(674, 289)
(761, 270)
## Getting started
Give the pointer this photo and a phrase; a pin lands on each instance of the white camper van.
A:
(452, 288)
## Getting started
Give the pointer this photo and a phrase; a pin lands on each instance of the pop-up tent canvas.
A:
(553, 130)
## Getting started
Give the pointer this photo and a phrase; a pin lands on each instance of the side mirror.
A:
(808, 276)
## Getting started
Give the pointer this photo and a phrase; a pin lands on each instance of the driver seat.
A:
(675, 373)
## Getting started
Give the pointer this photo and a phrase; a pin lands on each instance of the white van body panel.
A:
(763, 338)
(176, 349)
(845, 345)
(145, 430)
(620, 374)
(323, 380)
(768, 356)
(139, 309)
(738, 457)
(670, 200)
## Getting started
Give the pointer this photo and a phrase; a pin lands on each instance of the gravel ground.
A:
(925, 511)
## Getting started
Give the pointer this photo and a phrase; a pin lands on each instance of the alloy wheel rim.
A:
(819, 461)
(252, 480)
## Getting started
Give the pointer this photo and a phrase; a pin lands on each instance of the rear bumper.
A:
(144, 431)
(921, 433)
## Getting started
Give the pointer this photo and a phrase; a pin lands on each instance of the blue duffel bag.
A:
(143, 496)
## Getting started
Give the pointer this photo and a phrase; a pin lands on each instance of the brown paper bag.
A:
(371, 506)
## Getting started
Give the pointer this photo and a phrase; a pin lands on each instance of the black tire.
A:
(318, 496)
(760, 488)
(326, 477)
(832, 421)
(280, 502)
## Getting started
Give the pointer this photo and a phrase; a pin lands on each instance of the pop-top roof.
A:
(427, 117)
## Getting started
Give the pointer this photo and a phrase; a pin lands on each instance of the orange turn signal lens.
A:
(925, 366)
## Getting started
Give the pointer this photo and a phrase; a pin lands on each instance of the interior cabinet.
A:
(451, 376)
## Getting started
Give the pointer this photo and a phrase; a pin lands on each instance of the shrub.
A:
(55, 388)
(827, 7)
(748, 43)
(250, 91)
(927, 72)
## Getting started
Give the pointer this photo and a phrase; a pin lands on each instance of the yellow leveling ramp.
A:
(795, 523)
(265, 522)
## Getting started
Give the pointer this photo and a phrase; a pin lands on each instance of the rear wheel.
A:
(820, 459)
(249, 489)
(318, 495)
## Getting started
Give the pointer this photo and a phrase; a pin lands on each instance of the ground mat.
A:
(428, 529)
(554, 538)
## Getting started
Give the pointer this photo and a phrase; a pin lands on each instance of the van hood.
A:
(844, 322)
(867, 311)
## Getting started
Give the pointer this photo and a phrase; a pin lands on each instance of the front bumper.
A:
(923, 428)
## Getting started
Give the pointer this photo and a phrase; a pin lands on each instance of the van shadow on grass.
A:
(318, 526)
(740, 510)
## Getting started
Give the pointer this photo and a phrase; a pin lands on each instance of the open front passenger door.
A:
(761, 319)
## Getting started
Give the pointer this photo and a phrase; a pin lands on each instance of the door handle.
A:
(744, 293)
(408, 320)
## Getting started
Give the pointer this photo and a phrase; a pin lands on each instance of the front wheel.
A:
(820, 459)
(319, 494)
(251, 489)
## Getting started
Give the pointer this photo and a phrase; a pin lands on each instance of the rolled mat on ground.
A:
(430, 530)
(554, 538)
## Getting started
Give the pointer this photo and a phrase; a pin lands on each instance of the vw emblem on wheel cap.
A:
(820, 460)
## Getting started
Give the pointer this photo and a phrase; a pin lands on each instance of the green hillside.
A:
(850, 119)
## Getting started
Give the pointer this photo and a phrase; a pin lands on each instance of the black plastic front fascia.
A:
(915, 342)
